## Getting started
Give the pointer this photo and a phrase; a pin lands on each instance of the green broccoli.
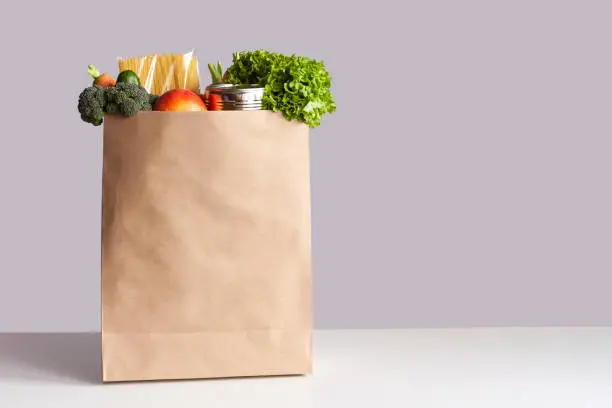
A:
(91, 105)
(153, 98)
(126, 99)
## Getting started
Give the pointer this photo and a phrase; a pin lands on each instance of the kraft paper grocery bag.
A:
(206, 262)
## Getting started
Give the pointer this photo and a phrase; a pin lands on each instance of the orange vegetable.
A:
(104, 80)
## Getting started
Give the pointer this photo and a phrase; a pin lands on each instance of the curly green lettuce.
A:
(251, 67)
(299, 88)
(296, 86)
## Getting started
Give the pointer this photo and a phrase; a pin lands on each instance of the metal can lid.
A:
(232, 88)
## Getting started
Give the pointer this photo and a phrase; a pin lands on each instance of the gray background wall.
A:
(464, 180)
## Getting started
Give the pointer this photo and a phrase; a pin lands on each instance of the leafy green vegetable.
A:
(296, 86)
(251, 67)
(299, 88)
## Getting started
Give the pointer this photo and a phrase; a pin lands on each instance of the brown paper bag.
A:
(206, 263)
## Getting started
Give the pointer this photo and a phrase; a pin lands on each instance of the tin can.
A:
(233, 97)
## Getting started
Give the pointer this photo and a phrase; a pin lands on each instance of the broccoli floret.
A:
(123, 98)
(126, 99)
(128, 107)
(112, 96)
(111, 108)
(91, 105)
(153, 98)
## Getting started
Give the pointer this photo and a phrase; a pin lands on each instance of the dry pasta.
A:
(159, 73)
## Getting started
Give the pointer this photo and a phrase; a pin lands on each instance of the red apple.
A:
(179, 100)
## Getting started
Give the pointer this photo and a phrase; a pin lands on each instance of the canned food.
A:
(233, 97)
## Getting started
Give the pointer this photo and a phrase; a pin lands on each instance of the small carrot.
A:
(104, 80)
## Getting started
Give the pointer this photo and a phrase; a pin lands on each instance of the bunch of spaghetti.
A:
(159, 73)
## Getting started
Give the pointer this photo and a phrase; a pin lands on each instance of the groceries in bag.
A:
(297, 87)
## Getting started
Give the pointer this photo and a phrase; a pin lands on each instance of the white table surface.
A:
(492, 368)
